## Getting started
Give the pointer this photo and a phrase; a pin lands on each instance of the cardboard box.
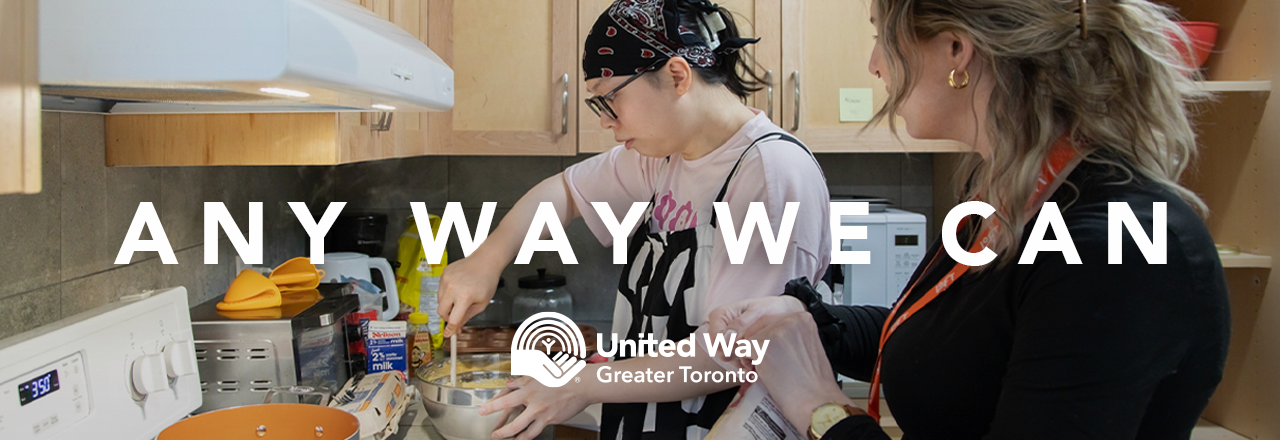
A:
(378, 401)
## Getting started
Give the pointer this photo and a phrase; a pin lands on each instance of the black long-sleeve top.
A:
(1052, 350)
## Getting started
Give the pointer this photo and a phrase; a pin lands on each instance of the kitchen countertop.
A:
(415, 425)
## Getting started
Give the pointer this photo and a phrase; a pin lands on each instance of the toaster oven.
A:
(241, 355)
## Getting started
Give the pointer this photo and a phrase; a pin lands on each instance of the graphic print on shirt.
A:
(671, 216)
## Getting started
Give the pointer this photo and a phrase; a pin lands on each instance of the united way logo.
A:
(548, 347)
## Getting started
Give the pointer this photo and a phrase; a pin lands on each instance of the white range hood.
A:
(236, 56)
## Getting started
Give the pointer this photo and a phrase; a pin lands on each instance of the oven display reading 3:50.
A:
(41, 386)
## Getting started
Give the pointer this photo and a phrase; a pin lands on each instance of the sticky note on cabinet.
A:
(855, 105)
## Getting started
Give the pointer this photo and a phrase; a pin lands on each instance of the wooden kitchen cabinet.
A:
(275, 138)
(826, 45)
(759, 18)
(515, 67)
(19, 98)
(407, 135)
(258, 139)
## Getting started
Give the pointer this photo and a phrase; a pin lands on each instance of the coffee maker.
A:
(364, 233)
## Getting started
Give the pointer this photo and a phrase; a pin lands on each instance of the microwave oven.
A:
(896, 241)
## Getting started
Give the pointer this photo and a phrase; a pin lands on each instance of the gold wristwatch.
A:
(828, 415)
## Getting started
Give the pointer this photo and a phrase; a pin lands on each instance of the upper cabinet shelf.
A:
(1236, 86)
(1243, 260)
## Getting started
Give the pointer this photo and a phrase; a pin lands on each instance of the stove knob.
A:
(149, 374)
(180, 358)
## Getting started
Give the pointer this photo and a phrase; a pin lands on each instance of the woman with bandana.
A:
(668, 78)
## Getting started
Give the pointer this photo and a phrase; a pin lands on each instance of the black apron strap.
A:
(775, 136)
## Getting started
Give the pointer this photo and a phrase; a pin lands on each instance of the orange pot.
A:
(282, 421)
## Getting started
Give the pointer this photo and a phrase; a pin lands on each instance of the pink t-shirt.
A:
(774, 173)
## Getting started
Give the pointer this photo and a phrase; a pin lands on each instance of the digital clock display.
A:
(32, 390)
(906, 240)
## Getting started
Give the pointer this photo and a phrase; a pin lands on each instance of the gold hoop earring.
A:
(952, 80)
(1084, 19)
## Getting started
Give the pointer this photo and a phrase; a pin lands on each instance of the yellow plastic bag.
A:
(414, 267)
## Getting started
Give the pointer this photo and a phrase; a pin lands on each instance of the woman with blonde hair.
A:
(1078, 110)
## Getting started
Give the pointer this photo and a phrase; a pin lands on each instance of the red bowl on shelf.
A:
(1203, 36)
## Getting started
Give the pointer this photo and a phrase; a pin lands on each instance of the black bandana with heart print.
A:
(635, 34)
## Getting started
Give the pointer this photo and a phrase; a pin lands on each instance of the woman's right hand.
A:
(466, 287)
(468, 284)
(798, 365)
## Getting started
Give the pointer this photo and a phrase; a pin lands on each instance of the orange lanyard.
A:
(1060, 157)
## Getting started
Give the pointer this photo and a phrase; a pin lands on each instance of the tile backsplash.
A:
(61, 244)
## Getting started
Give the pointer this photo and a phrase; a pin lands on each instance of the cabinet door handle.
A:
(768, 77)
(564, 107)
(383, 123)
(796, 126)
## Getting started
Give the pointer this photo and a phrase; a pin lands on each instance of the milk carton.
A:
(385, 342)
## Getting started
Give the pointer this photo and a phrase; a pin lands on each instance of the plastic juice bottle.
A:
(428, 304)
(419, 340)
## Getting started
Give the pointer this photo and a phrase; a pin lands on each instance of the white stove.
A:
(126, 370)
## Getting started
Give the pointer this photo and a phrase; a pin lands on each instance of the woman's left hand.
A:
(746, 318)
(543, 406)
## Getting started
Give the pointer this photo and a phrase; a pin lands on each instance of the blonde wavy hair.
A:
(1124, 95)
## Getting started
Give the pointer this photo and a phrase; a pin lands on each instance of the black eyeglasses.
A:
(600, 104)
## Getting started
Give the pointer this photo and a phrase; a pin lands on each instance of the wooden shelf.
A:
(1246, 261)
(1206, 430)
(1235, 86)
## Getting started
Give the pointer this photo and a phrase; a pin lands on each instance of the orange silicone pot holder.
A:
(296, 274)
(250, 291)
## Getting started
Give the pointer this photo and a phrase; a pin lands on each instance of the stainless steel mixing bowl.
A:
(455, 411)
